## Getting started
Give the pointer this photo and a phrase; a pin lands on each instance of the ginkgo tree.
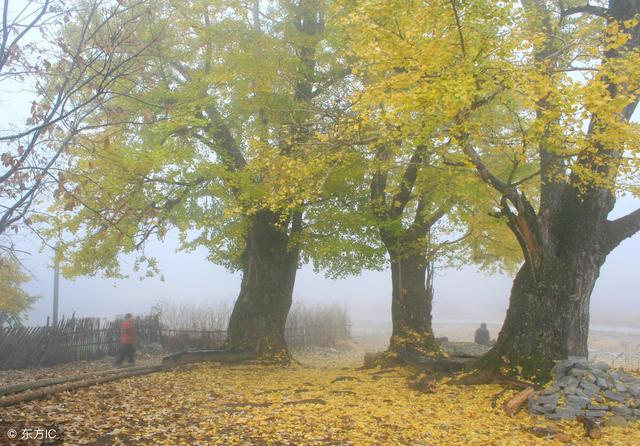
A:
(428, 213)
(578, 129)
(228, 136)
(426, 205)
(536, 97)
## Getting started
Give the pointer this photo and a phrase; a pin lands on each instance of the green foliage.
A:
(508, 79)
(515, 93)
(413, 87)
(228, 117)
(299, 112)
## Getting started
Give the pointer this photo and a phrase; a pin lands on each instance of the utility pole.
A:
(56, 285)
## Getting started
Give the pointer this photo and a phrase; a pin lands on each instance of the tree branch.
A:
(525, 223)
(485, 174)
(401, 199)
(5, 50)
(622, 228)
(598, 11)
(463, 48)
(421, 225)
(222, 137)
(379, 184)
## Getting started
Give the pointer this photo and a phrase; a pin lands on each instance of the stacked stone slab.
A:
(589, 389)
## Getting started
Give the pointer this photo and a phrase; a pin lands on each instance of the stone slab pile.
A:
(589, 389)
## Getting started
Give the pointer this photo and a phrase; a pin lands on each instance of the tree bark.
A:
(548, 315)
(257, 323)
(271, 254)
(546, 321)
(411, 302)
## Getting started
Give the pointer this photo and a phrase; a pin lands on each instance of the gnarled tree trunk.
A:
(408, 248)
(567, 242)
(259, 315)
(548, 315)
(547, 320)
(411, 302)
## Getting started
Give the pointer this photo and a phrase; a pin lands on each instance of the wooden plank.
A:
(514, 404)
(47, 391)
(17, 388)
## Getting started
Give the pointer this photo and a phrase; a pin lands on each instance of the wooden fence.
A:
(71, 339)
(77, 339)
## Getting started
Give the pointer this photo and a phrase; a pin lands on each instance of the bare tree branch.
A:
(622, 228)
(70, 89)
(598, 11)
(401, 199)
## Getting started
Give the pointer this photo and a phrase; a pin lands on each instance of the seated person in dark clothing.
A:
(482, 335)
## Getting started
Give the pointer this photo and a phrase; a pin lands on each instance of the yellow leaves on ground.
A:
(210, 404)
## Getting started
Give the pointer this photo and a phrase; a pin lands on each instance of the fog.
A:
(464, 295)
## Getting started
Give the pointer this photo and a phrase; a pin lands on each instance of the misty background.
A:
(461, 295)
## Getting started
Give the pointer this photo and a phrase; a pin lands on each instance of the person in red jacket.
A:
(127, 339)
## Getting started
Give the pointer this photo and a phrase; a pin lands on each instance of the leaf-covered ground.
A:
(317, 402)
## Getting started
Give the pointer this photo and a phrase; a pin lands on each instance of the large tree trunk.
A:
(411, 302)
(547, 320)
(548, 315)
(259, 315)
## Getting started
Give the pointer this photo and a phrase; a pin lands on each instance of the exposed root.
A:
(433, 363)
(423, 383)
(188, 357)
(497, 396)
(385, 360)
(479, 377)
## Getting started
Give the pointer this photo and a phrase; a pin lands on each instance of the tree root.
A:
(479, 377)
(423, 383)
(416, 358)
(385, 360)
(435, 364)
(189, 357)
